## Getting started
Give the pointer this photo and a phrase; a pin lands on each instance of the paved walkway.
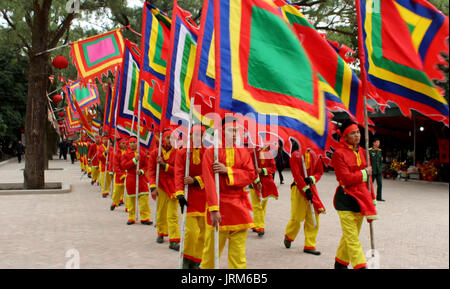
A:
(36, 231)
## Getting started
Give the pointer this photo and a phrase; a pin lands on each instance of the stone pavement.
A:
(36, 231)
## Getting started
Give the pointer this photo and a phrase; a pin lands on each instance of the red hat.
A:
(105, 138)
(122, 140)
(132, 138)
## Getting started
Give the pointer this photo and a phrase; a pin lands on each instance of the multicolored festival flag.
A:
(81, 112)
(96, 55)
(127, 97)
(109, 116)
(329, 64)
(96, 124)
(180, 71)
(254, 44)
(86, 95)
(400, 42)
(72, 118)
(155, 46)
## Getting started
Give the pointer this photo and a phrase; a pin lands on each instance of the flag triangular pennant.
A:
(262, 70)
(399, 44)
(96, 55)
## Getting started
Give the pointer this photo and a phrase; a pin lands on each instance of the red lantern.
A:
(60, 122)
(60, 62)
(57, 98)
(61, 114)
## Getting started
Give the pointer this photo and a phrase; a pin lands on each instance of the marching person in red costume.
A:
(303, 191)
(93, 160)
(119, 174)
(231, 213)
(196, 202)
(266, 189)
(352, 199)
(167, 212)
(105, 155)
(129, 161)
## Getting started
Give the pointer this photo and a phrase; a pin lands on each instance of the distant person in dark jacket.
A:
(20, 150)
(279, 161)
(63, 149)
(72, 152)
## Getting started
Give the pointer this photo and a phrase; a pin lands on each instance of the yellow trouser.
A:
(350, 250)
(144, 207)
(82, 163)
(105, 182)
(236, 248)
(78, 156)
(194, 238)
(118, 194)
(167, 217)
(259, 210)
(89, 169)
(95, 172)
(300, 211)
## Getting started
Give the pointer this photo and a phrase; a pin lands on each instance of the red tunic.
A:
(166, 174)
(101, 154)
(128, 163)
(314, 168)
(348, 165)
(234, 204)
(266, 162)
(196, 194)
(120, 172)
(92, 154)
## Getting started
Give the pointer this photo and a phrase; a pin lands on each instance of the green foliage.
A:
(13, 88)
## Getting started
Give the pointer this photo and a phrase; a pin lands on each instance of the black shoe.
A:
(287, 243)
(112, 207)
(195, 265)
(174, 246)
(92, 183)
(104, 196)
(261, 233)
(121, 203)
(381, 200)
(312, 251)
(130, 222)
(187, 263)
(146, 222)
(338, 265)
(281, 183)
(254, 230)
(160, 239)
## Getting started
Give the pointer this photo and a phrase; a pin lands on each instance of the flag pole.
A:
(157, 175)
(138, 162)
(311, 206)
(186, 187)
(366, 117)
(216, 178)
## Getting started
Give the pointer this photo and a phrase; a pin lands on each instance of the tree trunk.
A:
(36, 113)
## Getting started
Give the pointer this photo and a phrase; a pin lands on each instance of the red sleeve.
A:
(127, 162)
(318, 169)
(343, 173)
(152, 168)
(91, 152)
(100, 153)
(270, 166)
(179, 171)
(242, 174)
(117, 166)
(208, 180)
(296, 165)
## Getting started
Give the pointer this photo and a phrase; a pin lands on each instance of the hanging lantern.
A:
(60, 62)
(57, 98)
(60, 122)
(61, 114)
